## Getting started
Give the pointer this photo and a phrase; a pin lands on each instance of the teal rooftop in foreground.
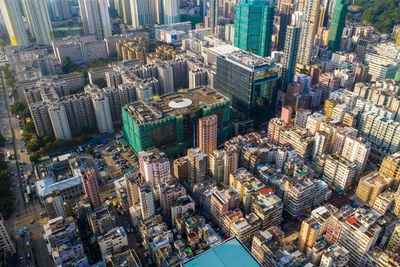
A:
(230, 253)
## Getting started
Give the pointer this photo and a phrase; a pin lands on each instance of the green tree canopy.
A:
(381, 14)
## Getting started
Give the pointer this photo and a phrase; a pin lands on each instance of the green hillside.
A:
(381, 14)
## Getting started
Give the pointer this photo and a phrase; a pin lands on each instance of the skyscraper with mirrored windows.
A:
(337, 25)
(289, 55)
(253, 26)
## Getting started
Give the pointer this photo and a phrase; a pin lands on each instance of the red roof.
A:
(351, 220)
(265, 191)
(192, 235)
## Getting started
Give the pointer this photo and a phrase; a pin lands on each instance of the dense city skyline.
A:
(200, 133)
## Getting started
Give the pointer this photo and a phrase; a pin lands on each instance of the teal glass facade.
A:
(253, 26)
(290, 55)
(252, 89)
(337, 25)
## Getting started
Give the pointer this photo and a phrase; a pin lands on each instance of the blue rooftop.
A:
(230, 253)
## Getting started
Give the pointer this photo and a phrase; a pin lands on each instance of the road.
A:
(24, 213)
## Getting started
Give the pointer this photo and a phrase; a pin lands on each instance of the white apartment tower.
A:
(13, 19)
(39, 21)
(155, 167)
(6, 243)
(103, 113)
(143, 12)
(147, 205)
(95, 18)
(356, 151)
(308, 30)
(59, 121)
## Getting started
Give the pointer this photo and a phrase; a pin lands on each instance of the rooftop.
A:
(182, 102)
(230, 253)
(248, 60)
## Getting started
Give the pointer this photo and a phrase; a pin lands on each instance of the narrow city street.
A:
(31, 249)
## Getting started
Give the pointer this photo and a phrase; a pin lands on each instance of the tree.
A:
(100, 82)
(28, 131)
(30, 127)
(35, 157)
(18, 108)
(33, 146)
(2, 140)
(6, 200)
(69, 66)
(90, 151)
(381, 14)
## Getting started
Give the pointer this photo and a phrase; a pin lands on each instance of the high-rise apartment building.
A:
(268, 207)
(197, 165)
(6, 243)
(155, 167)
(313, 228)
(370, 186)
(102, 111)
(59, 10)
(337, 25)
(250, 81)
(231, 163)
(357, 151)
(91, 187)
(39, 21)
(339, 172)
(275, 127)
(391, 168)
(222, 202)
(208, 132)
(95, 18)
(289, 55)
(41, 119)
(181, 168)
(143, 12)
(327, 84)
(314, 122)
(168, 194)
(358, 231)
(286, 9)
(254, 18)
(113, 241)
(170, 10)
(59, 121)
(147, 205)
(321, 144)
(216, 165)
(13, 19)
(308, 30)
(299, 196)
(125, 11)
(213, 14)
(395, 239)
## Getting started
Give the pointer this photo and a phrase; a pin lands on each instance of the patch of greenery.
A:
(78, 91)
(8, 76)
(2, 140)
(70, 66)
(381, 14)
(20, 109)
(6, 200)
(100, 82)
(4, 39)
(29, 131)
(43, 144)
